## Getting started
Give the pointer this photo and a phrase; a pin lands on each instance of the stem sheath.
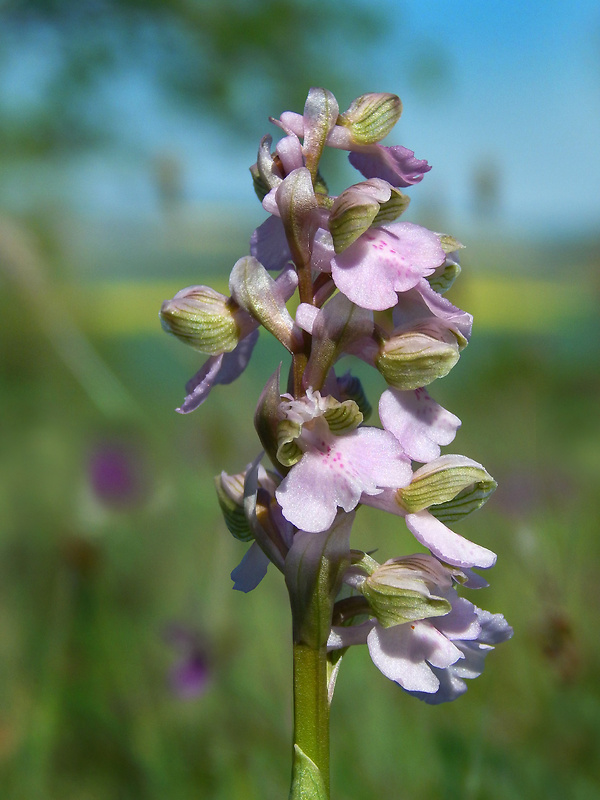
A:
(311, 708)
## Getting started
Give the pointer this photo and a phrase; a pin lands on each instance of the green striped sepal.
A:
(415, 358)
(407, 589)
(371, 117)
(288, 451)
(451, 486)
(202, 318)
(354, 210)
(343, 417)
(392, 208)
(444, 276)
(230, 494)
(449, 243)
(347, 225)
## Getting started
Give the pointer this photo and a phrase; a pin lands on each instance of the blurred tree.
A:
(213, 57)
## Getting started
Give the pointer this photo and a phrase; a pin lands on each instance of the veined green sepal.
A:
(391, 209)
(288, 452)
(354, 210)
(343, 417)
(470, 499)
(405, 589)
(203, 319)
(443, 278)
(442, 480)
(371, 116)
(393, 605)
(415, 358)
(347, 224)
(449, 243)
(233, 511)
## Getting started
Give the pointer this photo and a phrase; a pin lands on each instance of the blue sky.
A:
(521, 91)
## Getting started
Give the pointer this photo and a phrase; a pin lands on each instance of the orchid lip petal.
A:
(384, 261)
(447, 545)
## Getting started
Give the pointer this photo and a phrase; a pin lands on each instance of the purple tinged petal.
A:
(269, 203)
(419, 423)
(221, 369)
(290, 122)
(474, 581)
(404, 653)
(306, 316)
(289, 151)
(397, 165)
(384, 261)
(269, 245)
(447, 545)
(422, 301)
(461, 622)
(251, 569)
(494, 629)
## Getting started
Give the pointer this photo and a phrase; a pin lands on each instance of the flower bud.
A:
(371, 117)
(455, 484)
(202, 318)
(354, 210)
(415, 358)
(407, 589)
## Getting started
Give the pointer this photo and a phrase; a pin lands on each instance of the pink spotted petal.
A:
(365, 461)
(384, 261)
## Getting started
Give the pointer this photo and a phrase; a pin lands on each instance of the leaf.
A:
(307, 781)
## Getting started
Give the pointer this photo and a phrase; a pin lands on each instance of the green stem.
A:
(311, 711)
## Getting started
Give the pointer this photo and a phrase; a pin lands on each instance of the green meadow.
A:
(90, 583)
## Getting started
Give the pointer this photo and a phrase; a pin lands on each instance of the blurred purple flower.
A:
(115, 473)
(190, 674)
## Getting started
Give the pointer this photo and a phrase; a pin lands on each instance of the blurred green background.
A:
(126, 130)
